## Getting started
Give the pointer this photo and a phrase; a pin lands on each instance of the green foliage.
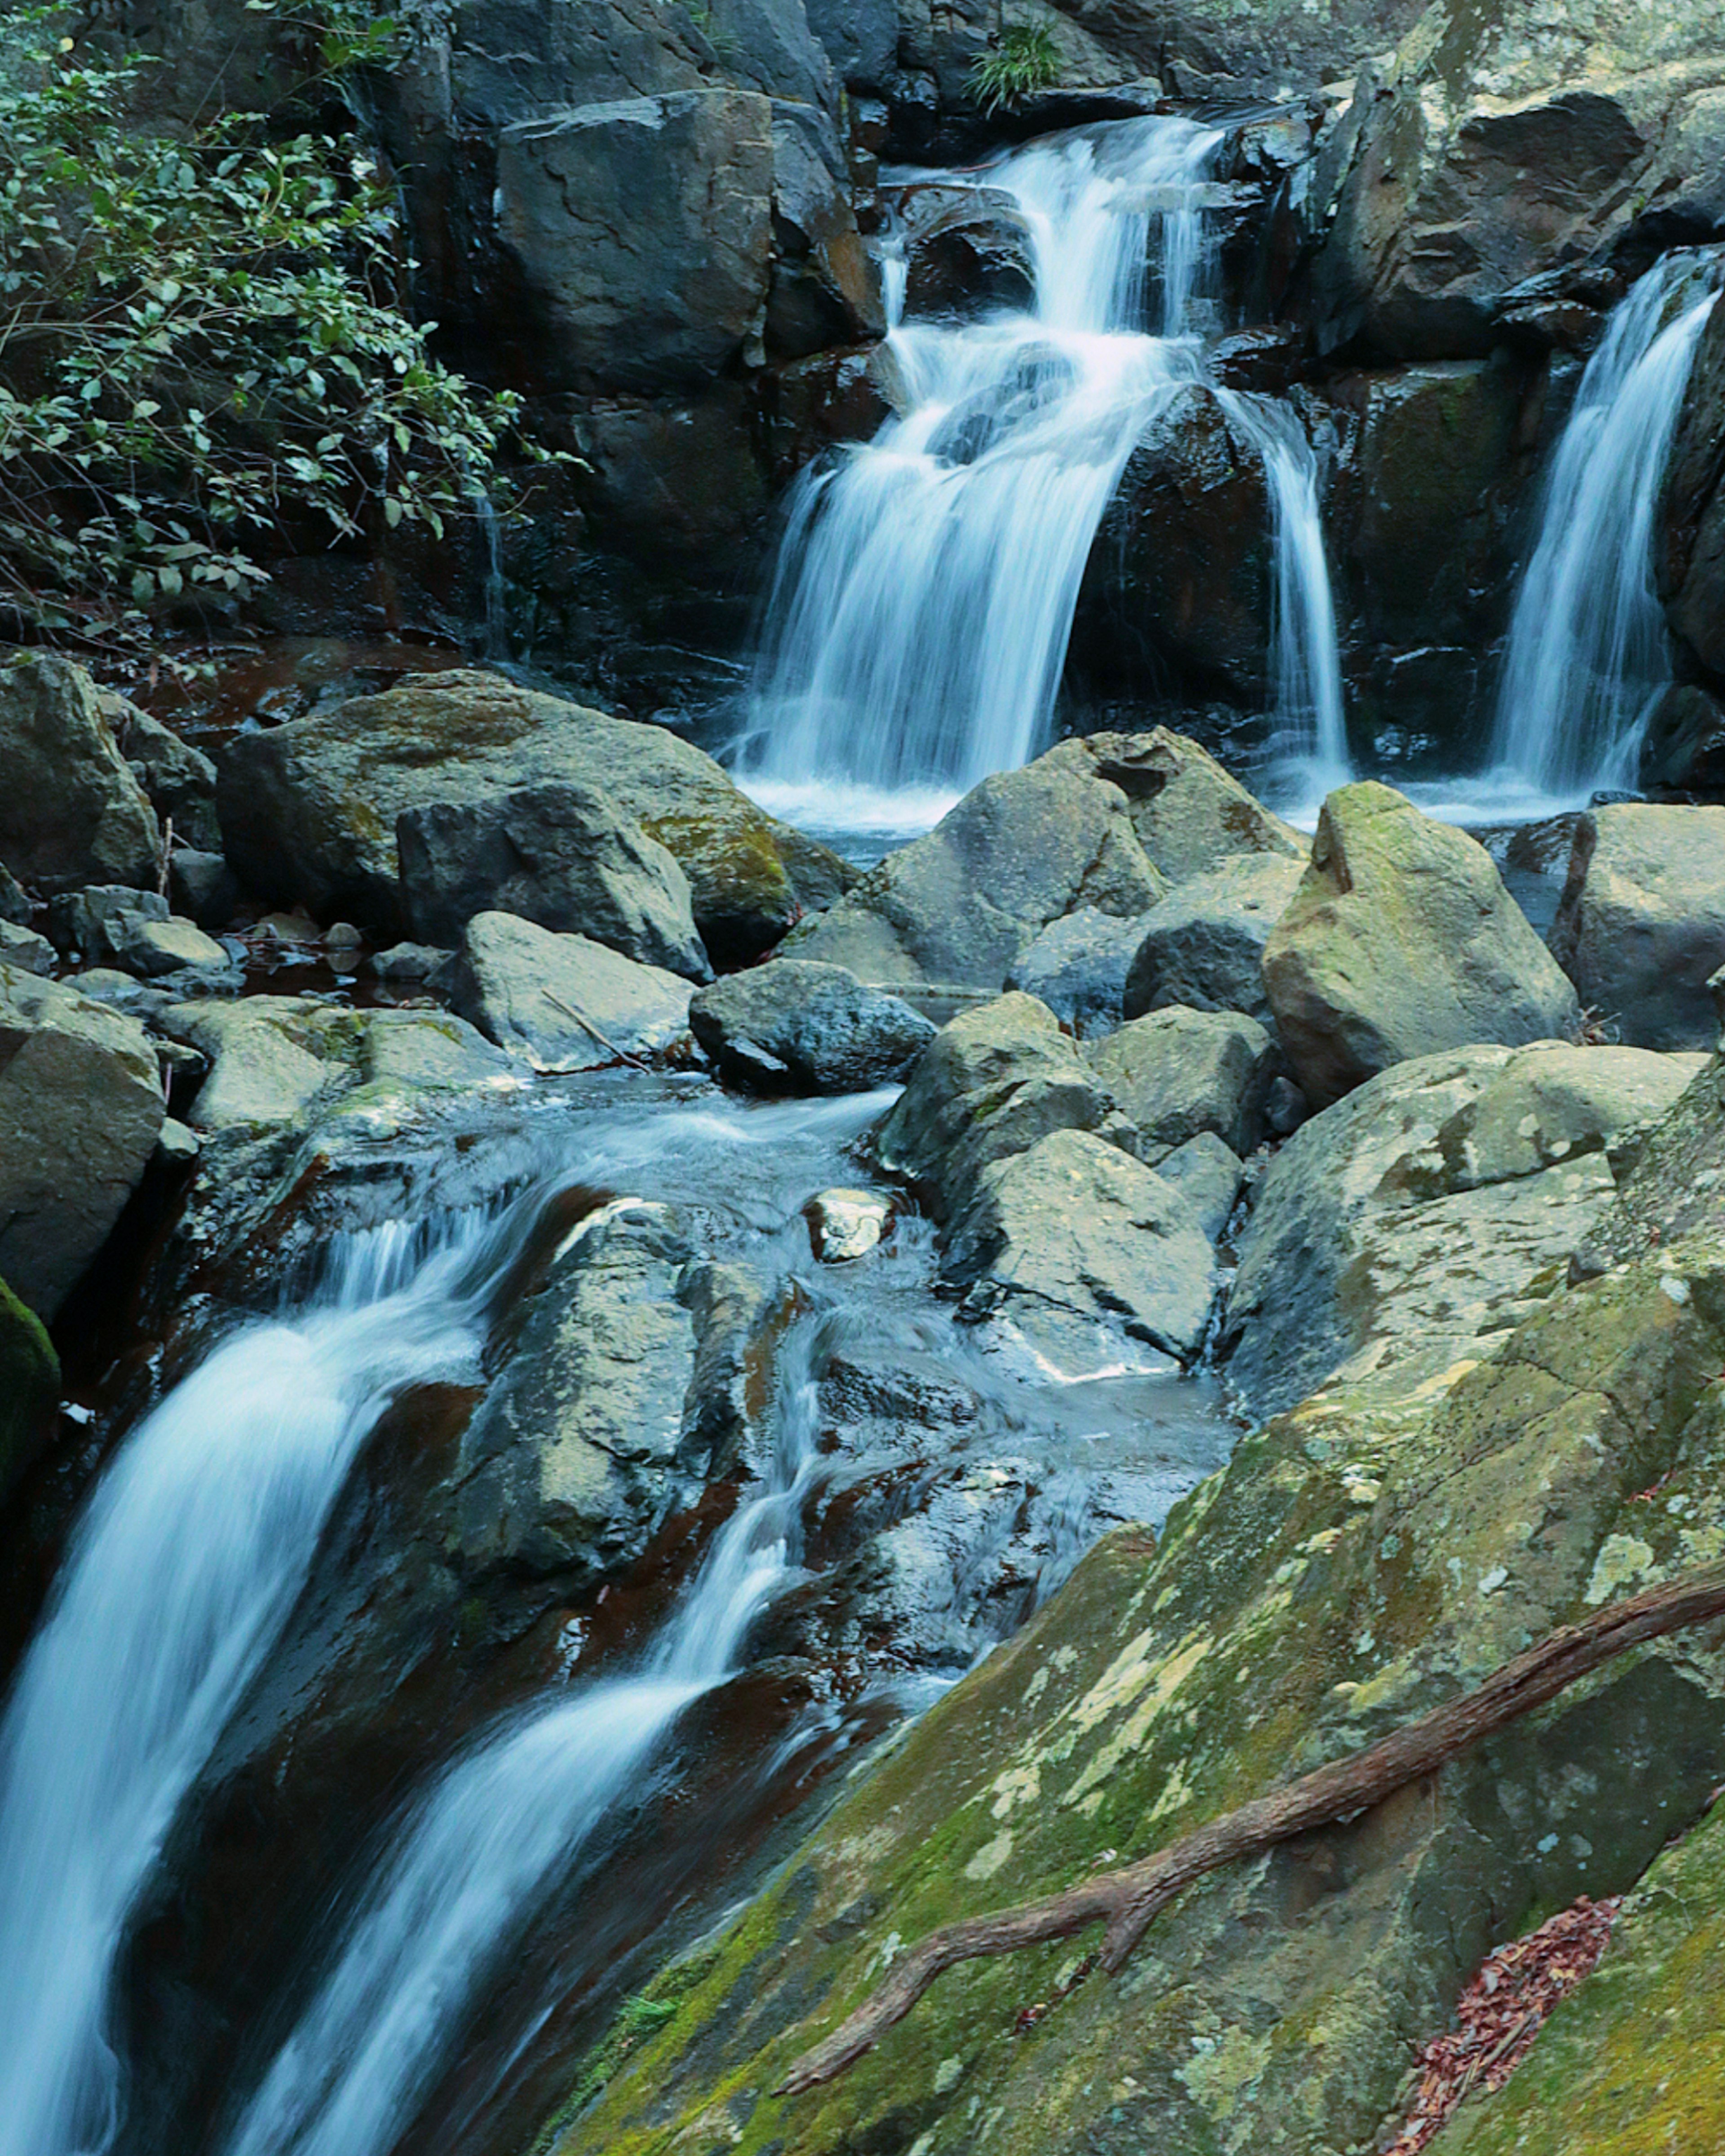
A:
(1022, 62)
(202, 355)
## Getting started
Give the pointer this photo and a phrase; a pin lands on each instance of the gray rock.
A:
(146, 945)
(308, 809)
(1078, 967)
(81, 1106)
(1208, 1175)
(1411, 1223)
(793, 1025)
(73, 812)
(1641, 924)
(844, 1226)
(989, 1085)
(1401, 942)
(25, 949)
(564, 856)
(179, 780)
(203, 886)
(563, 1002)
(1177, 1072)
(595, 1429)
(1190, 815)
(1072, 1237)
(176, 1145)
(643, 227)
(1683, 745)
(1203, 944)
(15, 905)
(407, 961)
(80, 921)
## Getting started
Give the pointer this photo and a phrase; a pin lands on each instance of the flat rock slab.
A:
(563, 1002)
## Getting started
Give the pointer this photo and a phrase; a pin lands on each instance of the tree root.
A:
(1127, 1900)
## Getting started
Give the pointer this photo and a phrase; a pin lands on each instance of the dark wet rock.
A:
(1430, 1210)
(598, 1425)
(80, 1105)
(179, 780)
(29, 1389)
(964, 247)
(1690, 555)
(407, 961)
(796, 1026)
(15, 902)
(1104, 824)
(810, 405)
(564, 856)
(671, 481)
(825, 289)
(1683, 749)
(1078, 967)
(79, 921)
(25, 949)
(202, 886)
(1208, 1175)
(1203, 946)
(1402, 941)
(1072, 1236)
(988, 1086)
(1179, 1072)
(308, 809)
(563, 1002)
(1641, 925)
(73, 812)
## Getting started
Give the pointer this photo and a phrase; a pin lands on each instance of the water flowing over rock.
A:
(1588, 648)
(1402, 941)
(1640, 928)
(80, 1105)
(73, 812)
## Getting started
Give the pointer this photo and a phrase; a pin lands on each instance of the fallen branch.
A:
(1127, 1900)
(569, 1011)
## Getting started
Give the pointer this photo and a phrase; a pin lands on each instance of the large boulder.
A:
(1078, 966)
(565, 856)
(793, 1025)
(1072, 1237)
(73, 812)
(1640, 927)
(1105, 824)
(29, 1389)
(1179, 1072)
(1691, 557)
(1402, 941)
(563, 1002)
(1431, 1209)
(1504, 144)
(80, 1108)
(1203, 944)
(179, 780)
(308, 809)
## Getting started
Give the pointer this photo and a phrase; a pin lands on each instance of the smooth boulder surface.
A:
(1400, 941)
(1404, 1227)
(1203, 944)
(25, 949)
(1072, 1236)
(564, 856)
(81, 1106)
(1208, 1175)
(73, 811)
(1179, 1072)
(793, 1025)
(1078, 967)
(1105, 824)
(1640, 927)
(563, 1002)
(308, 809)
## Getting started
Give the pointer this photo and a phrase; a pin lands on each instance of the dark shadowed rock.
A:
(73, 811)
(29, 1389)
(1691, 535)
(796, 1026)
(1203, 944)
(565, 856)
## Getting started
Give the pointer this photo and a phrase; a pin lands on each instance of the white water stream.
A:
(176, 1587)
(1588, 650)
(923, 602)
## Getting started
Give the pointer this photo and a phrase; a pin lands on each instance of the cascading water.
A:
(919, 620)
(920, 615)
(180, 1577)
(1588, 646)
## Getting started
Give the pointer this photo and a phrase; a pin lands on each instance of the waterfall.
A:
(495, 645)
(919, 619)
(1588, 646)
(476, 1853)
(179, 1578)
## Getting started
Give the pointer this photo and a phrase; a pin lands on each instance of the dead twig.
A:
(1127, 1900)
(569, 1011)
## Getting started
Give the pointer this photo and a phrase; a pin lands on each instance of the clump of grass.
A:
(1023, 61)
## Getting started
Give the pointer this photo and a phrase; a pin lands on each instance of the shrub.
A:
(1023, 61)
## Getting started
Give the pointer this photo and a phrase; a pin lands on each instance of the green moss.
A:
(731, 860)
(29, 1387)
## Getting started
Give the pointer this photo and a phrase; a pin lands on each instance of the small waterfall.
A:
(180, 1577)
(495, 645)
(919, 619)
(1588, 646)
(475, 1856)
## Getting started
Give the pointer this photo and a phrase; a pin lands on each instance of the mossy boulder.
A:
(30, 1388)
(308, 809)
(1354, 1564)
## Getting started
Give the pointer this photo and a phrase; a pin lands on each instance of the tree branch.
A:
(1127, 1900)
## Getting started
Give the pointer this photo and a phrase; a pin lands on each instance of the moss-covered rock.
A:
(30, 1388)
(1355, 1564)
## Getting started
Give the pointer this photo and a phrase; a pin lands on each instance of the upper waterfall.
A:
(1588, 646)
(920, 615)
